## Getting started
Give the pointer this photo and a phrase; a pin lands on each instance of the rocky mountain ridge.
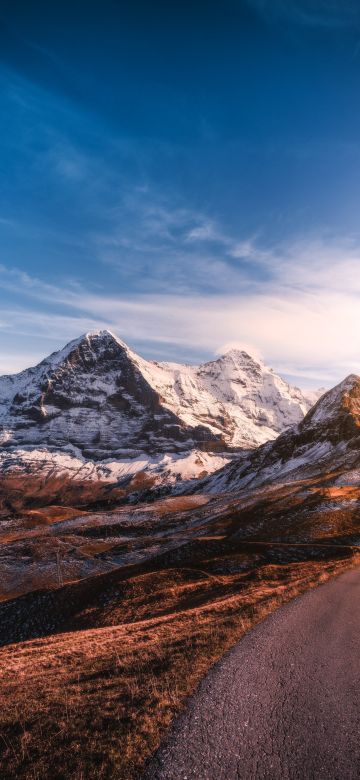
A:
(325, 443)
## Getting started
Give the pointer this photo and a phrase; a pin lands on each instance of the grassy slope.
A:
(133, 645)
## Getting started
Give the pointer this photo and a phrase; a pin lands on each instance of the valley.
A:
(117, 596)
(107, 642)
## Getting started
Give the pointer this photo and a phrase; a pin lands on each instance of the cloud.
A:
(205, 231)
(145, 235)
(155, 244)
(297, 302)
(306, 321)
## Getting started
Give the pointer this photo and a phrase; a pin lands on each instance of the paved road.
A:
(283, 704)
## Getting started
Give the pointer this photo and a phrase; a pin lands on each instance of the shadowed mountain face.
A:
(326, 441)
(93, 398)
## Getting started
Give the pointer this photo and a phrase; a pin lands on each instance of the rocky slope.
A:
(325, 443)
(97, 411)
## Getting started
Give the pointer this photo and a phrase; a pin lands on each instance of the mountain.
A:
(93, 399)
(96, 410)
(235, 396)
(99, 398)
(326, 443)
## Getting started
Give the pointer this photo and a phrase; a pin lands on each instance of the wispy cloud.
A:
(155, 244)
(305, 319)
(170, 278)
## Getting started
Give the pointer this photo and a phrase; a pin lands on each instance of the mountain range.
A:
(95, 410)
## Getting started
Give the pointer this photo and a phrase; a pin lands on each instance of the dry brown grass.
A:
(95, 703)
(179, 503)
(34, 491)
(51, 514)
(137, 641)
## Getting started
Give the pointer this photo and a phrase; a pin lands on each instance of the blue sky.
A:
(186, 174)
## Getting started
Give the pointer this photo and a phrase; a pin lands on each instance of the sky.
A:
(185, 174)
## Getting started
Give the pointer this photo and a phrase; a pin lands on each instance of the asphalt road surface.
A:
(283, 704)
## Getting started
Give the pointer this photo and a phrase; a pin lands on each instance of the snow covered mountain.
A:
(96, 410)
(93, 399)
(326, 443)
(99, 397)
(235, 396)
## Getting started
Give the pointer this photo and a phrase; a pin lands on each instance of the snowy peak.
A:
(65, 372)
(256, 393)
(98, 398)
(240, 358)
(89, 347)
(93, 399)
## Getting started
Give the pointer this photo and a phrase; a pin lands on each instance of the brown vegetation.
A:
(116, 655)
(100, 695)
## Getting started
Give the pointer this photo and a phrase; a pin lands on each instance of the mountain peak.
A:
(93, 342)
(344, 398)
(236, 353)
(242, 355)
(105, 336)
